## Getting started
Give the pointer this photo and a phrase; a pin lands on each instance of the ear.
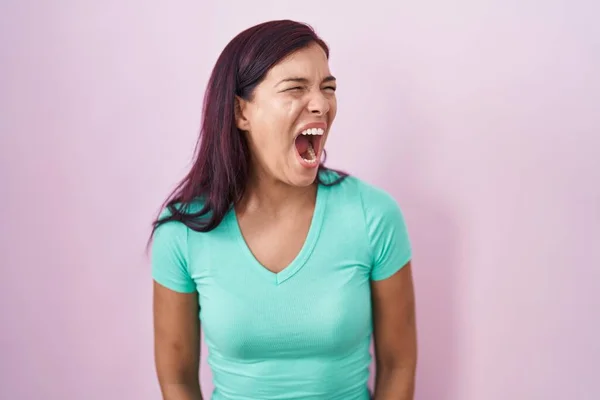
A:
(240, 114)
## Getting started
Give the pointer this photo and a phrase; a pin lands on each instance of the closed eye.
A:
(330, 88)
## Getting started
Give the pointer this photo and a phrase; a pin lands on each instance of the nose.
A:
(318, 104)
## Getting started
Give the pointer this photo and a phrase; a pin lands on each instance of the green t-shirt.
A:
(303, 333)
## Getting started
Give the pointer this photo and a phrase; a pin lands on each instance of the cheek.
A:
(272, 137)
(333, 107)
(289, 111)
(276, 113)
(272, 127)
(278, 123)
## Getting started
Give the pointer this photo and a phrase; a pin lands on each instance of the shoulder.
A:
(171, 233)
(374, 197)
(374, 200)
(168, 224)
(386, 229)
(170, 250)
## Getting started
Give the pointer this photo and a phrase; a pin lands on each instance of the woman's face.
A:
(289, 115)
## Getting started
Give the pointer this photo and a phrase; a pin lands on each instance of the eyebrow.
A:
(329, 78)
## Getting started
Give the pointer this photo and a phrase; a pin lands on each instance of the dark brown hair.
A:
(221, 164)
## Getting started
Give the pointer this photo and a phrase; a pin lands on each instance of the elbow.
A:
(405, 364)
(180, 385)
(181, 375)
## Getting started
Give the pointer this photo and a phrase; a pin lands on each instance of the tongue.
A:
(302, 143)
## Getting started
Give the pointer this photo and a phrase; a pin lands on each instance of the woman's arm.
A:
(177, 343)
(395, 336)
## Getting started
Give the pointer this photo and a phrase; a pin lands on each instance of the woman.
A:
(288, 265)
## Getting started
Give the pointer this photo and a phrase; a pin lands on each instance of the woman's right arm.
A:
(177, 343)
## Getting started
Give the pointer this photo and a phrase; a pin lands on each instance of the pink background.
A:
(482, 118)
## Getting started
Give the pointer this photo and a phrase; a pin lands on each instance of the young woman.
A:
(289, 267)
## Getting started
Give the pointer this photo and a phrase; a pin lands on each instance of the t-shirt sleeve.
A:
(388, 234)
(169, 257)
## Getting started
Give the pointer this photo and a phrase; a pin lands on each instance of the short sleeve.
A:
(388, 234)
(169, 257)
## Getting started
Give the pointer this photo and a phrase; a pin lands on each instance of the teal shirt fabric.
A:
(303, 333)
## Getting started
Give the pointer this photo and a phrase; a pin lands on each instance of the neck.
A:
(274, 197)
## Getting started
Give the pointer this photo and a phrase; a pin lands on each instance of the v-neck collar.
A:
(303, 255)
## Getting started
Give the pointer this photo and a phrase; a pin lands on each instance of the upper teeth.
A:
(313, 131)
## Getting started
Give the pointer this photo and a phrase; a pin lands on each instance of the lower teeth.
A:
(311, 154)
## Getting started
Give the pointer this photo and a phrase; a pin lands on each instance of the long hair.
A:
(221, 166)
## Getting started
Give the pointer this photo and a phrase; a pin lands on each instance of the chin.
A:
(302, 176)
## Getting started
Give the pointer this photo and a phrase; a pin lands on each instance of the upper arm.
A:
(394, 325)
(176, 336)
(175, 308)
(391, 280)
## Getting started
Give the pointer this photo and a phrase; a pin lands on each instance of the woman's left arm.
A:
(395, 336)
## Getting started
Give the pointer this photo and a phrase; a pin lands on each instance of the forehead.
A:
(309, 62)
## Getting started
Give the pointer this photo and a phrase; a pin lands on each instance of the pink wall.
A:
(483, 120)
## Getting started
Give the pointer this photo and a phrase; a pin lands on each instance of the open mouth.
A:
(308, 144)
